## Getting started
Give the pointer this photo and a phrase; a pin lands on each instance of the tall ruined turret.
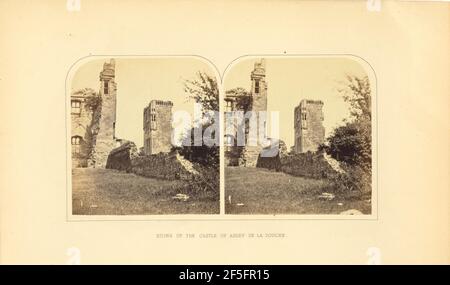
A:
(259, 107)
(105, 137)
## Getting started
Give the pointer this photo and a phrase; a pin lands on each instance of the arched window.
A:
(76, 143)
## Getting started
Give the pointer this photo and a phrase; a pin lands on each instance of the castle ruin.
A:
(259, 104)
(158, 127)
(258, 97)
(308, 125)
(105, 140)
(81, 118)
(93, 120)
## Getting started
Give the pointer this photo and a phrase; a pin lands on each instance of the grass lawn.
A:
(111, 192)
(261, 191)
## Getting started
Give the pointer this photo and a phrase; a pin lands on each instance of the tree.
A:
(352, 142)
(204, 90)
(243, 98)
(347, 144)
(205, 155)
(357, 92)
(93, 100)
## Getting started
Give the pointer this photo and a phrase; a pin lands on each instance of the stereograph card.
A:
(217, 132)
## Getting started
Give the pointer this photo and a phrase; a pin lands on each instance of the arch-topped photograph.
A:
(299, 135)
(131, 119)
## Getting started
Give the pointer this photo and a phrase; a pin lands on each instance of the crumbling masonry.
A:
(258, 94)
(309, 130)
(158, 127)
(93, 125)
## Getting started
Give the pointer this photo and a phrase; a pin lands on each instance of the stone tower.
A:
(259, 105)
(105, 137)
(157, 127)
(308, 124)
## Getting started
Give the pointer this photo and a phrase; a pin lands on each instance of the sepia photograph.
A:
(133, 124)
(298, 136)
(239, 134)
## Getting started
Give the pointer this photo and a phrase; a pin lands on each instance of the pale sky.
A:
(140, 80)
(291, 79)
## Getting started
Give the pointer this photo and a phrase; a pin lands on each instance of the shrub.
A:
(207, 182)
(351, 144)
(355, 181)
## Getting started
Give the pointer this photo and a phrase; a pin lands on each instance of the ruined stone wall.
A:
(311, 165)
(158, 127)
(250, 156)
(120, 158)
(162, 165)
(308, 164)
(308, 125)
(81, 119)
(271, 155)
(271, 162)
